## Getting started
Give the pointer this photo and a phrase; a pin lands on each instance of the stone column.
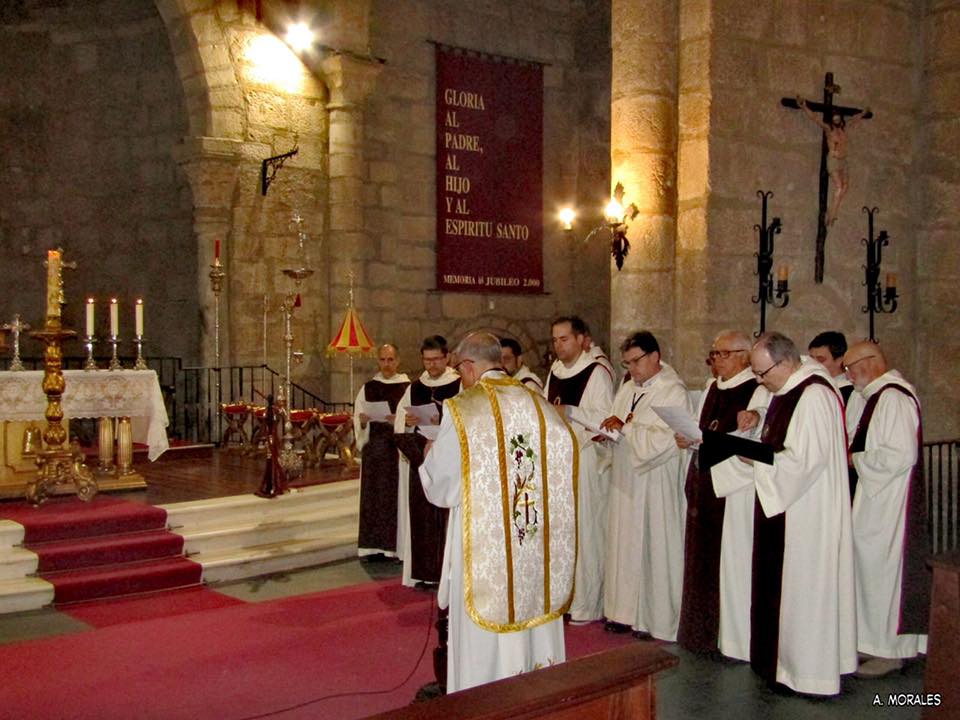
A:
(643, 146)
(212, 166)
(350, 80)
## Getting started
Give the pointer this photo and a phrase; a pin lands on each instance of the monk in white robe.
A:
(511, 359)
(803, 614)
(421, 526)
(502, 622)
(377, 533)
(889, 523)
(644, 571)
(577, 380)
(718, 541)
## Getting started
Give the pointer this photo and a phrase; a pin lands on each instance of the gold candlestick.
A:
(58, 464)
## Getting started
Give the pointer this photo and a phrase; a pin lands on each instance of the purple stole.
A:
(768, 541)
(700, 606)
(915, 578)
(569, 391)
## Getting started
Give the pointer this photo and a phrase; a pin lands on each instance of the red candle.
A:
(216, 249)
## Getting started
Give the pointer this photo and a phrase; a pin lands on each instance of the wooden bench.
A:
(612, 685)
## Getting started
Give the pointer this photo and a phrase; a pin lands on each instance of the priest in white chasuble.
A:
(718, 541)
(378, 465)
(578, 381)
(803, 613)
(890, 537)
(644, 571)
(505, 463)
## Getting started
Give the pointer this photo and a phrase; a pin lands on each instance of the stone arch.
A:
(200, 50)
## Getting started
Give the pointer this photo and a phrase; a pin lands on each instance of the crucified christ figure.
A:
(837, 146)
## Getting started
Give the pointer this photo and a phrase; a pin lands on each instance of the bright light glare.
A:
(274, 63)
(300, 37)
(567, 216)
(614, 211)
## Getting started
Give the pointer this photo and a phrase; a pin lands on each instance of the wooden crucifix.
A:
(833, 156)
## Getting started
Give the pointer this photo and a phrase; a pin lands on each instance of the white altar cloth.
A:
(93, 394)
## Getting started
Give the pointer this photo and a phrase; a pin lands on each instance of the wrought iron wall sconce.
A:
(878, 300)
(768, 293)
(617, 219)
(270, 166)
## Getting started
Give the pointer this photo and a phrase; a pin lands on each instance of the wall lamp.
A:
(616, 223)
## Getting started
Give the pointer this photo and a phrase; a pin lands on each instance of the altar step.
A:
(230, 538)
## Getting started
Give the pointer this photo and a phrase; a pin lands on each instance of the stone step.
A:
(16, 562)
(11, 534)
(299, 525)
(183, 517)
(26, 593)
(237, 564)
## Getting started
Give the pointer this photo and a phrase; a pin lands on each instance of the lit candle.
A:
(53, 283)
(90, 307)
(891, 280)
(114, 318)
(138, 315)
(783, 273)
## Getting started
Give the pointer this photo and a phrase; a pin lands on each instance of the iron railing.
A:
(941, 465)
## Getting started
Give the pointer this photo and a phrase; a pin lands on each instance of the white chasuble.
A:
(519, 506)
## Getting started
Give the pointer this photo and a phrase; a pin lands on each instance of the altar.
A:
(128, 404)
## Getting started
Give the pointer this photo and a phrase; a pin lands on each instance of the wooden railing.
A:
(613, 685)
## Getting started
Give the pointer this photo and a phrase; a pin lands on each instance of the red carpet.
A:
(103, 548)
(69, 517)
(244, 660)
(104, 613)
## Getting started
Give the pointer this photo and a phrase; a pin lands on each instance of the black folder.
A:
(717, 447)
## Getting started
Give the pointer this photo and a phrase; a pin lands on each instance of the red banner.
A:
(489, 174)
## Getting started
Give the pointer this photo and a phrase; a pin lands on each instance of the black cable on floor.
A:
(423, 650)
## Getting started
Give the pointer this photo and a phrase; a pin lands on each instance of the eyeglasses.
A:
(627, 363)
(761, 375)
(847, 367)
(457, 366)
(723, 354)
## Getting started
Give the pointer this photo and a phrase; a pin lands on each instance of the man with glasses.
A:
(577, 380)
(803, 610)
(889, 518)
(506, 584)
(377, 534)
(645, 548)
(715, 611)
(423, 525)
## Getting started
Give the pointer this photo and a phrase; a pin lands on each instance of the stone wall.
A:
(89, 107)
(734, 62)
(936, 192)
(397, 272)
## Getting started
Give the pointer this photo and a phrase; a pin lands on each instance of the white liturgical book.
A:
(680, 421)
(425, 414)
(574, 415)
(378, 411)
